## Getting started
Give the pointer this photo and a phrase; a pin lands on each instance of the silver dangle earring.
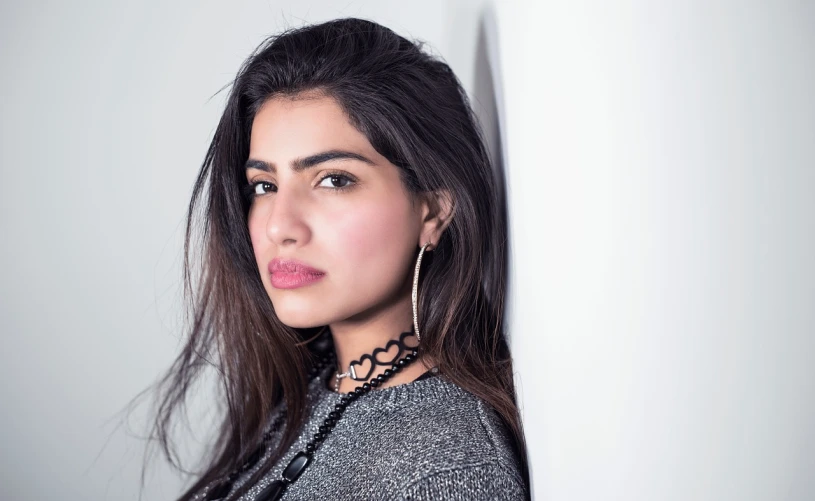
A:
(415, 295)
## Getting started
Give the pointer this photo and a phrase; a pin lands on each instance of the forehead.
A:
(287, 127)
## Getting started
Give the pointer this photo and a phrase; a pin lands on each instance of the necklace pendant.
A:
(296, 466)
(272, 491)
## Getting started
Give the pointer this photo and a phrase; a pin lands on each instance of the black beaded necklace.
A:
(302, 459)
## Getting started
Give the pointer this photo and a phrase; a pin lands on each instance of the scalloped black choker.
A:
(302, 459)
(363, 368)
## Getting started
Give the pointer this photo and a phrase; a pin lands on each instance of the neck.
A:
(364, 333)
(355, 337)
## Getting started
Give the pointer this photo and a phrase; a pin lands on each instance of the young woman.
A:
(351, 294)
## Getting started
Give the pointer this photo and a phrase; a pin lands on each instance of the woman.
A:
(352, 288)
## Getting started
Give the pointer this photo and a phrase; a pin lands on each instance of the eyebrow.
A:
(301, 164)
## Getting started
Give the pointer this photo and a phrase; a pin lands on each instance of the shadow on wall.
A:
(486, 102)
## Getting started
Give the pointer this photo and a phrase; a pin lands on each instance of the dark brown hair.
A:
(413, 110)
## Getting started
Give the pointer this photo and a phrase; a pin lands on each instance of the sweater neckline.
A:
(427, 386)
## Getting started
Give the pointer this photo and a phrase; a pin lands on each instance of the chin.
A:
(299, 318)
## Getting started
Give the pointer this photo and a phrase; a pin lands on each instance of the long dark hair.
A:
(414, 111)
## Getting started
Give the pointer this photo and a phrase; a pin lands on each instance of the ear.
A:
(438, 208)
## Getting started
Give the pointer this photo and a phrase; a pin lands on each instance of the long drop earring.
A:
(415, 295)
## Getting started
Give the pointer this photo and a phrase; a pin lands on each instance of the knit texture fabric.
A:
(427, 439)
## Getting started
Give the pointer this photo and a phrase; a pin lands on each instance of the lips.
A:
(290, 273)
(278, 265)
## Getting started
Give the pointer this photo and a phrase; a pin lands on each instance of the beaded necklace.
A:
(302, 459)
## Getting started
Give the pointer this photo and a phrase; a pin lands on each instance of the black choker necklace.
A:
(363, 368)
(302, 459)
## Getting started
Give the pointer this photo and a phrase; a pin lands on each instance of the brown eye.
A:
(262, 188)
(337, 181)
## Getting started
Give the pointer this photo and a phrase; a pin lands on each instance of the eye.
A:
(260, 187)
(253, 189)
(337, 181)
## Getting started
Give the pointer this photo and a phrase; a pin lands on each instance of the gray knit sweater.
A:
(427, 439)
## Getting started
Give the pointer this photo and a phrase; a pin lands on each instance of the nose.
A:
(286, 224)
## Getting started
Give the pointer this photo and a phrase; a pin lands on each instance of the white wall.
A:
(107, 111)
(661, 165)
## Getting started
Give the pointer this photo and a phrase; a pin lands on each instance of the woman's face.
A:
(323, 196)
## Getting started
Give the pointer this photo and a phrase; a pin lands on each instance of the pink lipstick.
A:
(291, 274)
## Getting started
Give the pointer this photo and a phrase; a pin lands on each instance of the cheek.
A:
(372, 242)
(257, 233)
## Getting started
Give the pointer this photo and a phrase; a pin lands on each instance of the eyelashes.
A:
(250, 190)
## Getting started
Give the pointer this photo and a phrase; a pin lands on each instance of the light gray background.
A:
(661, 167)
(107, 111)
